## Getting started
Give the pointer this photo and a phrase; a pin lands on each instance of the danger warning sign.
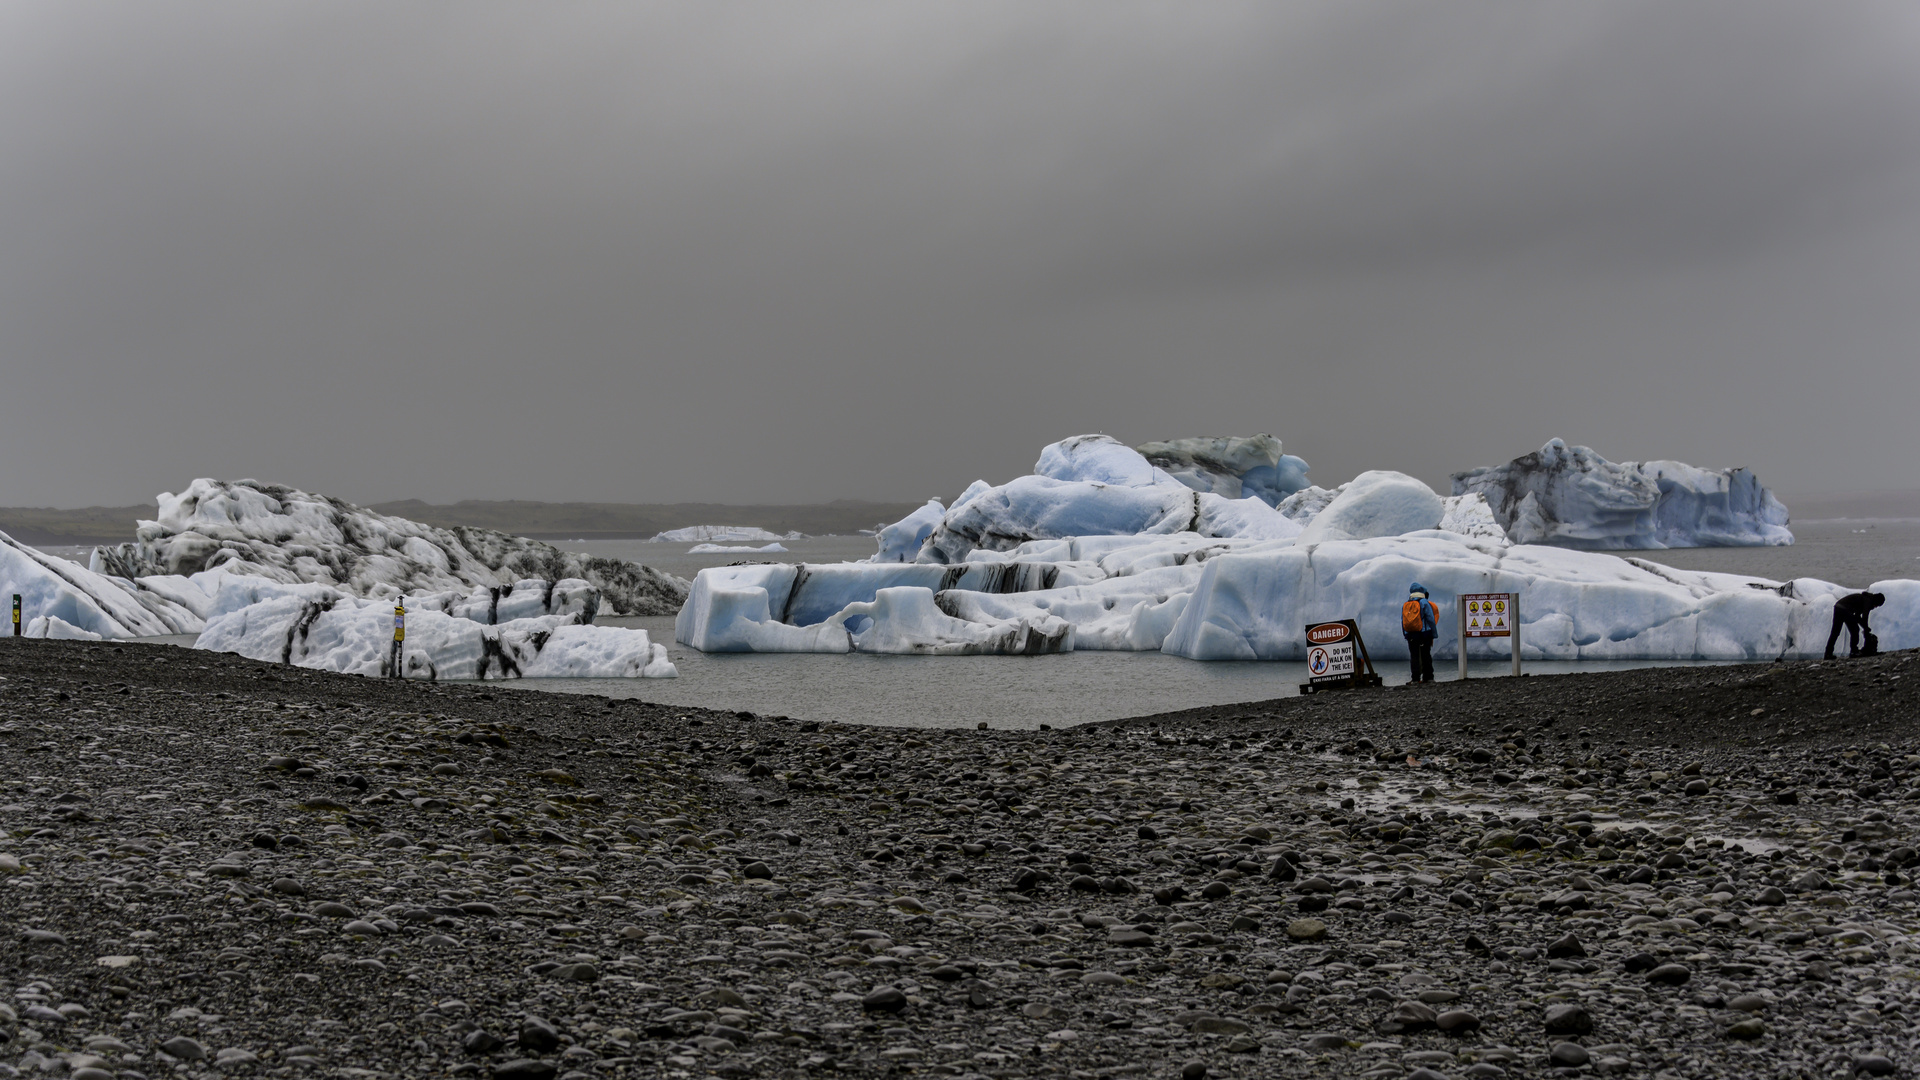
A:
(1488, 614)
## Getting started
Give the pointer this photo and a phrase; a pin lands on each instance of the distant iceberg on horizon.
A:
(720, 534)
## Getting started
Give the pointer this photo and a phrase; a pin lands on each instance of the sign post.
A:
(16, 614)
(1337, 658)
(399, 635)
(1489, 615)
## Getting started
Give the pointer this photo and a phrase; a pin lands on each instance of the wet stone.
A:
(184, 1048)
(1567, 1018)
(1670, 974)
(1306, 930)
(1568, 1055)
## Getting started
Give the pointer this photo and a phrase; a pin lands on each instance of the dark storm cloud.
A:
(795, 252)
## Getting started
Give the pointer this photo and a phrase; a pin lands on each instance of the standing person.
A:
(1851, 612)
(1420, 624)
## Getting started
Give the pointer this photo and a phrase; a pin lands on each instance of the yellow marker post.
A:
(16, 614)
(399, 635)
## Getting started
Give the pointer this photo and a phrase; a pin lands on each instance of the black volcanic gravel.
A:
(211, 866)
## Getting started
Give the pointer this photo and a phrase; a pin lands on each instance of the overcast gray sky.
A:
(796, 252)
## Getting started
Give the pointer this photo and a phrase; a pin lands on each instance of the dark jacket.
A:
(1859, 604)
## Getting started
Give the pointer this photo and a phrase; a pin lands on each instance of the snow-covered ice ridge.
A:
(720, 534)
(292, 536)
(1569, 496)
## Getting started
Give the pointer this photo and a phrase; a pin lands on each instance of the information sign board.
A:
(1487, 614)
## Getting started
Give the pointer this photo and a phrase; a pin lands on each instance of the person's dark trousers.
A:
(1853, 624)
(1420, 655)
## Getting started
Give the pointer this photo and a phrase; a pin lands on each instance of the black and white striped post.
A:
(399, 636)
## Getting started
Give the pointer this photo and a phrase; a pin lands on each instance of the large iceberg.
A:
(1572, 497)
(331, 631)
(1230, 467)
(291, 536)
(1089, 485)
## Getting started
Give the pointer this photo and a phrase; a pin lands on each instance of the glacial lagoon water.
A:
(1024, 692)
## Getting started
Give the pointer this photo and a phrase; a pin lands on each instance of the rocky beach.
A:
(215, 866)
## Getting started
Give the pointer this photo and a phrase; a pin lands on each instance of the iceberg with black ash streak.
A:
(1232, 467)
(325, 629)
(292, 536)
(1570, 496)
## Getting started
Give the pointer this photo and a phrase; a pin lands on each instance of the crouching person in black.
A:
(1851, 612)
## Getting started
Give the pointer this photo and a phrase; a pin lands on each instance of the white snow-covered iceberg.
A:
(1232, 467)
(291, 536)
(704, 534)
(720, 549)
(1569, 496)
(355, 636)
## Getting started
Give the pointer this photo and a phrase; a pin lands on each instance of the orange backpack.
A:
(1412, 621)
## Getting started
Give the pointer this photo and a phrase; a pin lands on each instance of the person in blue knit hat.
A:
(1420, 624)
